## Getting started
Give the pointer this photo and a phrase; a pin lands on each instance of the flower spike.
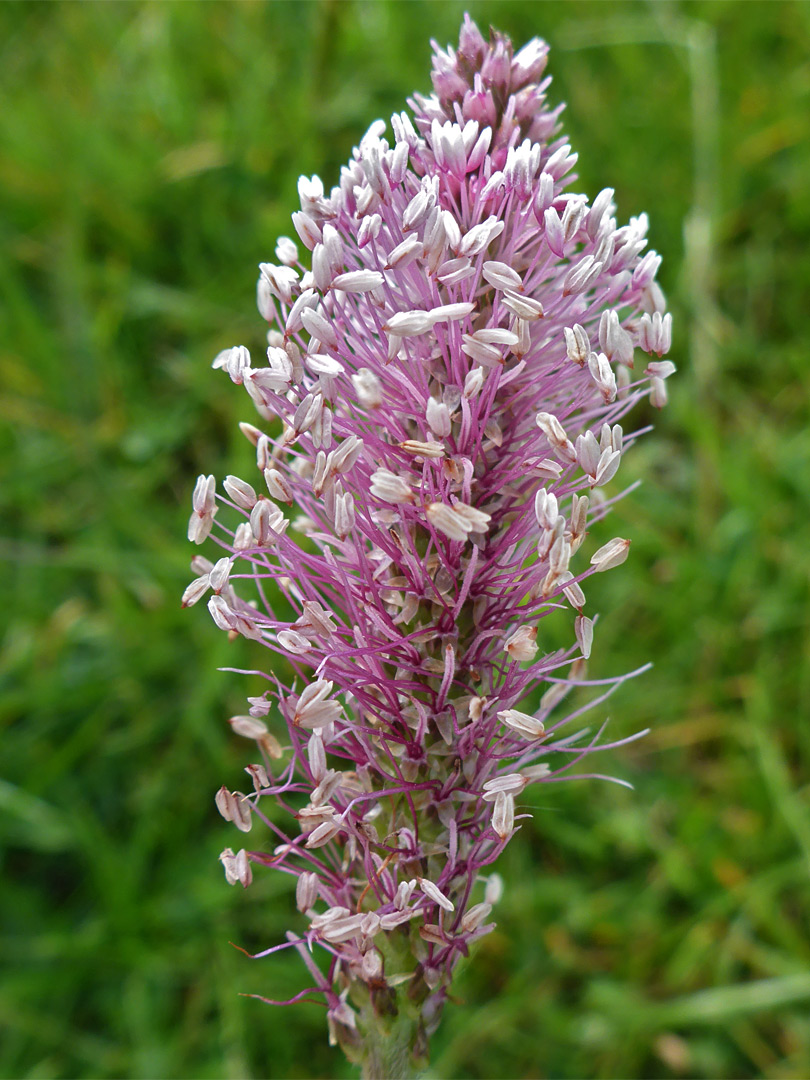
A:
(443, 405)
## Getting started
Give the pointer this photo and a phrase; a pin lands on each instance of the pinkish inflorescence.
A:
(450, 373)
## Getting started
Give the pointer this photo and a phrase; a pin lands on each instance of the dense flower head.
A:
(450, 362)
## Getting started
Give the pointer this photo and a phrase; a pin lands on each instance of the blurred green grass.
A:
(148, 160)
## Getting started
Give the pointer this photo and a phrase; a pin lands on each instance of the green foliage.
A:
(148, 160)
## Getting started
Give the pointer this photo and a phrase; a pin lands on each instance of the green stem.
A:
(389, 1049)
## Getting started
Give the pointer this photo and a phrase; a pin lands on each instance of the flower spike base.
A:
(455, 342)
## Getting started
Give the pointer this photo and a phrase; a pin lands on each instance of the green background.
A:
(149, 154)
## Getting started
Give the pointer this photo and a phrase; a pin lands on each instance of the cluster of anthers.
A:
(448, 370)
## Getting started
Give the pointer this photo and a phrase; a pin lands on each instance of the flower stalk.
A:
(451, 362)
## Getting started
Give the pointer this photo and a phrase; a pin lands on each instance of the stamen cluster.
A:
(450, 363)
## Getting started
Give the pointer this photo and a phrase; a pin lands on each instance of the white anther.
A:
(528, 727)
(611, 554)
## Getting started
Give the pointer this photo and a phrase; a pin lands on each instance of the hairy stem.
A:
(389, 1049)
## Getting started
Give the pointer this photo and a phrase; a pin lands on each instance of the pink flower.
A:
(452, 362)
